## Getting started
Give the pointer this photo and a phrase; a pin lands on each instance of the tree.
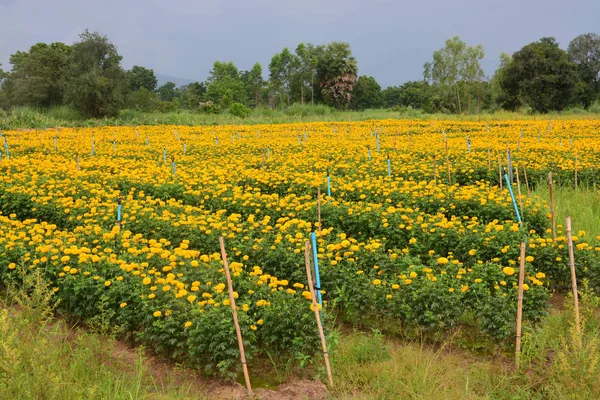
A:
(140, 77)
(167, 91)
(225, 85)
(415, 94)
(336, 73)
(542, 76)
(192, 94)
(506, 98)
(283, 73)
(366, 94)
(254, 83)
(455, 69)
(307, 69)
(36, 75)
(94, 81)
(584, 51)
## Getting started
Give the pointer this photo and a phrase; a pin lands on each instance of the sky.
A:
(391, 40)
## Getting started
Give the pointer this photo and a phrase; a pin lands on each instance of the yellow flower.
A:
(107, 283)
(508, 271)
(146, 281)
(12, 266)
(529, 259)
(157, 314)
(413, 274)
(123, 305)
(253, 327)
(376, 282)
(442, 260)
(540, 275)
(187, 324)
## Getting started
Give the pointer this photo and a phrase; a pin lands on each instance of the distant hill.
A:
(162, 79)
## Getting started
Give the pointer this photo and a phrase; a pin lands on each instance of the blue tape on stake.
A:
(369, 153)
(174, 167)
(378, 145)
(509, 163)
(6, 148)
(313, 237)
(184, 148)
(164, 155)
(55, 145)
(512, 196)
(93, 148)
(328, 186)
(119, 212)
(389, 167)
(216, 141)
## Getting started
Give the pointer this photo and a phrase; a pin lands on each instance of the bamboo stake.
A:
(448, 164)
(235, 318)
(316, 308)
(552, 205)
(489, 158)
(526, 180)
(520, 306)
(434, 170)
(573, 278)
(319, 208)
(575, 171)
(519, 191)
(499, 173)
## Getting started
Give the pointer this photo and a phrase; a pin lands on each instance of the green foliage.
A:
(94, 81)
(414, 94)
(167, 91)
(584, 51)
(456, 71)
(239, 110)
(336, 72)
(35, 78)
(141, 78)
(366, 94)
(192, 95)
(541, 75)
(225, 86)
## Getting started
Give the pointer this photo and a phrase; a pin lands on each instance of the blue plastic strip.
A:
(119, 212)
(313, 237)
(328, 186)
(513, 198)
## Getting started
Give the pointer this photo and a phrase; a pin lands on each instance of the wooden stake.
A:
(316, 308)
(526, 181)
(235, 318)
(552, 205)
(319, 208)
(434, 170)
(448, 164)
(520, 306)
(576, 171)
(519, 191)
(489, 158)
(500, 173)
(573, 278)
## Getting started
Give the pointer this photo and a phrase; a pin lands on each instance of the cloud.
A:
(390, 39)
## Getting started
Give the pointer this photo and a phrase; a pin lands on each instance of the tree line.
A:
(89, 77)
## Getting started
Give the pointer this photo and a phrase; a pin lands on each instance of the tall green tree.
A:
(415, 94)
(167, 91)
(192, 94)
(224, 85)
(542, 76)
(254, 84)
(504, 97)
(36, 75)
(284, 74)
(584, 51)
(336, 73)
(94, 81)
(141, 77)
(456, 71)
(366, 94)
(307, 55)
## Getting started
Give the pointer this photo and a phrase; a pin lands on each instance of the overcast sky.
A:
(390, 39)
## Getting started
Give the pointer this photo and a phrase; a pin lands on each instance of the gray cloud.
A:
(390, 39)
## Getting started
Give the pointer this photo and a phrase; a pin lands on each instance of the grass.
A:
(29, 117)
(43, 358)
(553, 365)
(583, 206)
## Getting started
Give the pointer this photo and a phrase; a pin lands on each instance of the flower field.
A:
(400, 245)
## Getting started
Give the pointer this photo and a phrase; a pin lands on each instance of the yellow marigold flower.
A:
(146, 281)
(107, 283)
(157, 314)
(508, 271)
(413, 274)
(525, 286)
(442, 260)
(389, 296)
(376, 282)
(529, 258)
(187, 324)
(472, 252)
(12, 266)
(123, 305)
(540, 275)
(253, 327)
